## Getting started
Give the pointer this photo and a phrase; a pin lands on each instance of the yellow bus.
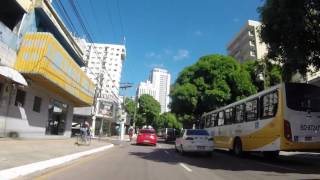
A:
(285, 117)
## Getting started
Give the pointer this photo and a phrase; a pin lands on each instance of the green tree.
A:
(291, 30)
(169, 120)
(263, 73)
(148, 111)
(130, 107)
(213, 81)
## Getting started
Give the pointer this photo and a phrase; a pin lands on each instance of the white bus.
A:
(285, 117)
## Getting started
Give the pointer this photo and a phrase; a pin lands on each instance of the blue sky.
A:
(170, 34)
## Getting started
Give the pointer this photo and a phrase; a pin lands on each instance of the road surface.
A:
(131, 162)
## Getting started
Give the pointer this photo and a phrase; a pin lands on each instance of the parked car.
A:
(194, 140)
(168, 134)
(75, 129)
(147, 136)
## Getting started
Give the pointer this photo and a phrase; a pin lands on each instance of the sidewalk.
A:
(18, 153)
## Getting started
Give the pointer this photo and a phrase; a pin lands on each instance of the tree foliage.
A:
(130, 106)
(169, 120)
(213, 81)
(148, 111)
(263, 73)
(291, 30)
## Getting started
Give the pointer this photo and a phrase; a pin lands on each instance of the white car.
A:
(194, 140)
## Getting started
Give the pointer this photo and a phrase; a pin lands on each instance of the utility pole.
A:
(97, 94)
(124, 86)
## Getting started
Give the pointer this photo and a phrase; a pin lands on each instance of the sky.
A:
(169, 34)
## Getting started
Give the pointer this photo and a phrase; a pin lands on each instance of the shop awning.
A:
(13, 75)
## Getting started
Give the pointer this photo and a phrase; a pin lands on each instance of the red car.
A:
(147, 136)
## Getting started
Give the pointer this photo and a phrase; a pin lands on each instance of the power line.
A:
(75, 9)
(66, 16)
(110, 19)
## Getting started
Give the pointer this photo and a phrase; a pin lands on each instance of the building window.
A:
(37, 104)
(20, 98)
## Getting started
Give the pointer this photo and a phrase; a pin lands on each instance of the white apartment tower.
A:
(146, 88)
(160, 79)
(105, 61)
(247, 44)
(158, 87)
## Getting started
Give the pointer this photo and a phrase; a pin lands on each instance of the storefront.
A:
(56, 84)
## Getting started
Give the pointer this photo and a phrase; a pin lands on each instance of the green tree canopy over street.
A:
(214, 81)
(169, 120)
(148, 111)
(292, 32)
(130, 106)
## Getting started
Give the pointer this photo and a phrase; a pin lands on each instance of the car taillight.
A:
(287, 130)
(189, 138)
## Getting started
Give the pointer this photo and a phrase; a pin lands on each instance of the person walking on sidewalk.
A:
(85, 131)
(130, 133)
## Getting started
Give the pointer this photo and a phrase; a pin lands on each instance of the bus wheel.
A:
(271, 154)
(237, 147)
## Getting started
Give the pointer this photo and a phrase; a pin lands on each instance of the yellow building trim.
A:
(41, 55)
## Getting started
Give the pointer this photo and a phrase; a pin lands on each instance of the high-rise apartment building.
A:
(158, 87)
(105, 61)
(146, 88)
(160, 79)
(247, 44)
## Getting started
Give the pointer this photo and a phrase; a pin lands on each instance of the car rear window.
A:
(147, 131)
(197, 132)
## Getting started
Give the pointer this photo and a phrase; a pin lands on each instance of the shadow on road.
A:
(221, 160)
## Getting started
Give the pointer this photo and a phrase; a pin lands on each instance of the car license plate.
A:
(146, 141)
(200, 147)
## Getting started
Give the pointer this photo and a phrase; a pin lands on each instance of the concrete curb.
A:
(33, 167)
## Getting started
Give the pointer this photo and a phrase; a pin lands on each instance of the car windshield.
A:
(303, 97)
(197, 133)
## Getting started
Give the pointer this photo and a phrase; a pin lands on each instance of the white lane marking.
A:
(277, 166)
(185, 167)
(166, 151)
(159, 146)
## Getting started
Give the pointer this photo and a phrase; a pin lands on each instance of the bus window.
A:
(303, 97)
(229, 116)
(213, 119)
(215, 122)
(208, 122)
(252, 110)
(221, 118)
(269, 105)
(239, 113)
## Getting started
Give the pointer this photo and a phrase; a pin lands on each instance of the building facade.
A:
(158, 87)
(247, 45)
(35, 44)
(104, 67)
(146, 88)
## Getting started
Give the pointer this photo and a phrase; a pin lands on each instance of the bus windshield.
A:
(303, 97)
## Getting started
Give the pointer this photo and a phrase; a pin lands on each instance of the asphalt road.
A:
(131, 162)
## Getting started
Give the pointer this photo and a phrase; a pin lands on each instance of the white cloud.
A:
(198, 33)
(151, 55)
(181, 54)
